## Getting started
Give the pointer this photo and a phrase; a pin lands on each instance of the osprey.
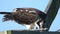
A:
(26, 16)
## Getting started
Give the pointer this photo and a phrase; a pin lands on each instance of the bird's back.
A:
(25, 15)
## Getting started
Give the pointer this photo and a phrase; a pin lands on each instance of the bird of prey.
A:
(26, 16)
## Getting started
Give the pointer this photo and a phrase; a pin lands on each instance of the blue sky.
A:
(9, 5)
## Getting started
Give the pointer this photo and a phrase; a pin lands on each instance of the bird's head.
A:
(7, 17)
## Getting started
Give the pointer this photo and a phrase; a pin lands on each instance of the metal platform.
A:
(28, 32)
(33, 32)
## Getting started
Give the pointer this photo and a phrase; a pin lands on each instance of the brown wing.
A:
(25, 16)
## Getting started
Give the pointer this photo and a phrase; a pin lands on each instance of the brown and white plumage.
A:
(27, 16)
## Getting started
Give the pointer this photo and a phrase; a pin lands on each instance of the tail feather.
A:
(5, 12)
